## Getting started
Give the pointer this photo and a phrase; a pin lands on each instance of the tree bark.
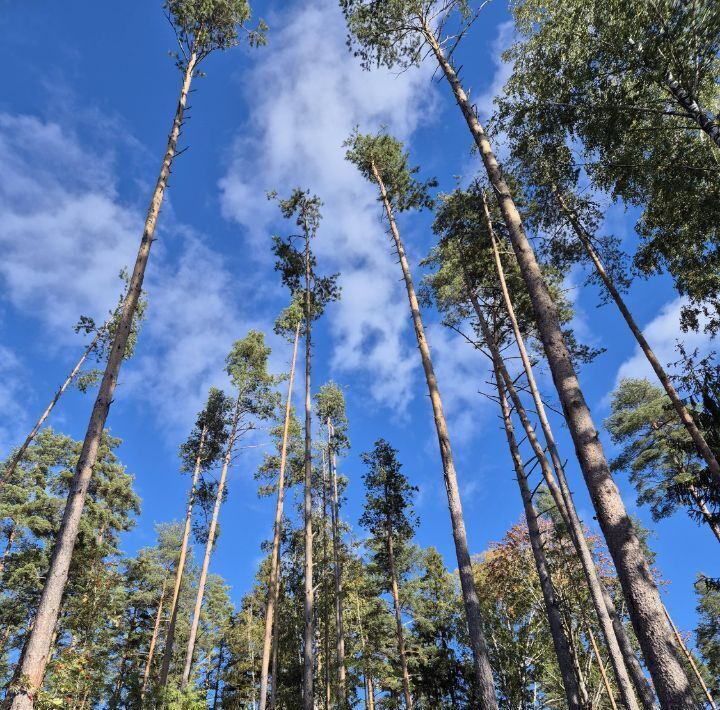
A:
(325, 591)
(702, 507)
(603, 672)
(621, 653)
(209, 546)
(398, 621)
(308, 634)
(153, 641)
(643, 600)
(7, 474)
(275, 670)
(481, 666)
(334, 517)
(273, 586)
(33, 667)
(8, 547)
(685, 417)
(690, 105)
(575, 694)
(174, 606)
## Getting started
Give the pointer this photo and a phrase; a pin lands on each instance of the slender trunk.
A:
(8, 547)
(691, 660)
(335, 521)
(685, 417)
(174, 607)
(274, 680)
(7, 474)
(575, 695)
(369, 698)
(33, 667)
(398, 621)
(209, 547)
(153, 641)
(251, 653)
(325, 592)
(622, 656)
(643, 599)
(690, 105)
(308, 665)
(702, 507)
(483, 672)
(603, 672)
(218, 670)
(273, 585)
(370, 693)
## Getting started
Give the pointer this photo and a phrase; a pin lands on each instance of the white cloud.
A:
(12, 423)
(307, 95)
(503, 40)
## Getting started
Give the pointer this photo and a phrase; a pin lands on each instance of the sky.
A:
(88, 98)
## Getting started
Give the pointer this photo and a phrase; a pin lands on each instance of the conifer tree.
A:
(398, 33)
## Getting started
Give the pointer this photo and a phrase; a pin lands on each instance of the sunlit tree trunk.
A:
(273, 585)
(209, 545)
(660, 649)
(369, 694)
(33, 666)
(153, 642)
(174, 606)
(483, 672)
(398, 620)
(603, 672)
(692, 108)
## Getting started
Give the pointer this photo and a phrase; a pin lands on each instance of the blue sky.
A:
(88, 97)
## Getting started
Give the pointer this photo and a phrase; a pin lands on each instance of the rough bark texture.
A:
(170, 636)
(273, 586)
(32, 670)
(688, 422)
(482, 669)
(643, 600)
(153, 642)
(209, 546)
(575, 694)
(398, 621)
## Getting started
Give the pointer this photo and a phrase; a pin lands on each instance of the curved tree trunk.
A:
(575, 693)
(273, 585)
(174, 606)
(33, 666)
(153, 641)
(660, 649)
(483, 672)
(209, 547)
(685, 417)
(398, 622)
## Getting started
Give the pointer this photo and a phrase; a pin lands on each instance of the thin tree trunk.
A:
(398, 621)
(370, 693)
(334, 516)
(644, 605)
(575, 694)
(308, 634)
(603, 672)
(702, 507)
(32, 670)
(251, 653)
(622, 656)
(369, 698)
(174, 606)
(8, 547)
(690, 105)
(7, 474)
(325, 590)
(273, 585)
(483, 672)
(275, 642)
(153, 641)
(691, 660)
(209, 547)
(685, 417)
(218, 670)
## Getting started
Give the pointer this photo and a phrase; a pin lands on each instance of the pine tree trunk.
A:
(369, 696)
(622, 655)
(688, 422)
(702, 507)
(209, 546)
(690, 105)
(335, 521)
(575, 694)
(33, 667)
(643, 600)
(398, 621)
(153, 641)
(603, 672)
(218, 671)
(8, 547)
(273, 585)
(325, 591)
(174, 606)
(7, 474)
(481, 666)
(308, 633)
(275, 671)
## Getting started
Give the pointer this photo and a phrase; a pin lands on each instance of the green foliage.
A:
(707, 633)
(287, 322)
(213, 421)
(330, 405)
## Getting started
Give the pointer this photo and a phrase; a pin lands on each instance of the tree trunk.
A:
(369, 696)
(334, 515)
(702, 507)
(7, 474)
(273, 585)
(603, 673)
(688, 422)
(308, 634)
(690, 105)
(174, 607)
(622, 656)
(398, 621)
(209, 547)
(325, 591)
(33, 667)
(8, 547)
(218, 671)
(153, 641)
(275, 671)
(575, 694)
(644, 605)
(483, 672)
